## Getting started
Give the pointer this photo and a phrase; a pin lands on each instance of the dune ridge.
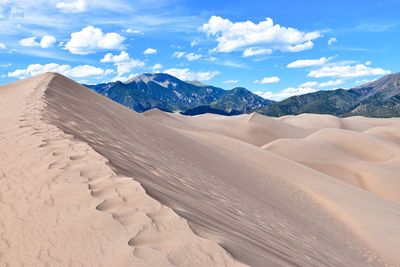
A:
(61, 204)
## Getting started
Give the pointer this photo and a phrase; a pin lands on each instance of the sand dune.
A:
(361, 151)
(357, 158)
(61, 204)
(254, 128)
(317, 122)
(87, 181)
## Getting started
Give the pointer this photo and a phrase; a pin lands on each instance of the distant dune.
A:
(87, 181)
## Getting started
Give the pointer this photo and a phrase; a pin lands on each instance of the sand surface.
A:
(85, 181)
(62, 205)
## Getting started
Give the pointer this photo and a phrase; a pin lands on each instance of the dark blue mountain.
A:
(168, 93)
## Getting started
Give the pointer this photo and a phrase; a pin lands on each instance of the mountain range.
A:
(380, 98)
(168, 93)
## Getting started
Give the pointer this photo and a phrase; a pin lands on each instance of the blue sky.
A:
(274, 48)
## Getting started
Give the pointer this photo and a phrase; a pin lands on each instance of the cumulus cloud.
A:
(299, 47)
(91, 39)
(28, 42)
(286, 93)
(268, 80)
(156, 67)
(264, 36)
(123, 56)
(329, 83)
(188, 56)
(303, 63)
(77, 6)
(188, 75)
(2, 46)
(46, 41)
(123, 62)
(347, 71)
(331, 41)
(309, 84)
(150, 51)
(81, 71)
(249, 52)
(128, 66)
(305, 88)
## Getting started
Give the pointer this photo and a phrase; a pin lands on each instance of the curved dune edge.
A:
(364, 160)
(62, 204)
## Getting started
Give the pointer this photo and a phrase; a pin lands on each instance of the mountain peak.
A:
(387, 86)
(168, 93)
(156, 77)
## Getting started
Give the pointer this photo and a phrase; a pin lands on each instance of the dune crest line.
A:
(61, 204)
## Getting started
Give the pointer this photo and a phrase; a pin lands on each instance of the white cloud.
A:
(268, 80)
(134, 31)
(331, 41)
(123, 56)
(230, 81)
(2, 46)
(193, 56)
(150, 51)
(188, 75)
(303, 63)
(77, 6)
(47, 41)
(323, 84)
(29, 42)
(128, 66)
(239, 36)
(249, 52)
(123, 62)
(178, 54)
(91, 39)
(84, 71)
(309, 84)
(299, 47)
(331, 83)
(347, 71)
(188, 56)
(286, 93)
(81, 71)
(156, 67)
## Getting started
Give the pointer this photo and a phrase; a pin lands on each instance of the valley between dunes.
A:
(85, 181)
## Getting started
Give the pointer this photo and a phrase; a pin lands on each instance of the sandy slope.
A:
(254, 128)
(69, 154)
(361, 151)
(62, 205)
